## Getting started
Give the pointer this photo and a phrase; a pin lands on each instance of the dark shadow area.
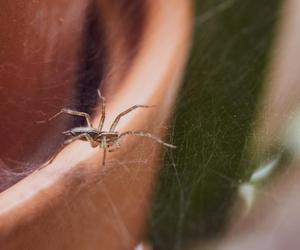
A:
(92, 58)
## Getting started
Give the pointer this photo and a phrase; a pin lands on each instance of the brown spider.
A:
(104, 139)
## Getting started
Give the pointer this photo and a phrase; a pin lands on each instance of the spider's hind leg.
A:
(104, 157)
(75, 113)
(115, 147)
(81, 136)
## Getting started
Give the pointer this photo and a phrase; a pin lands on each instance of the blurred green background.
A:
(213, 121)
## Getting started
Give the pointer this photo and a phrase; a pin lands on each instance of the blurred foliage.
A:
(214, 117)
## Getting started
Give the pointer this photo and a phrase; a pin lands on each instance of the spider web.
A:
(213, 122)
(211, 127)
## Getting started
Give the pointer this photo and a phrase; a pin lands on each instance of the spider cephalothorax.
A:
(104, 139)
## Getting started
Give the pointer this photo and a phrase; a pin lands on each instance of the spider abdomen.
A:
(106, 138)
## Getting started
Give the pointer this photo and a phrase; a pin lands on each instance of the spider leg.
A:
(100, 126)
(52, 158)
(104, 157)
(115, 147)
(75, 113)
(86, 136)
(104, 146)
(117, 119)
(145, 134)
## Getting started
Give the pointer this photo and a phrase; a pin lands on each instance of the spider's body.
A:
(104, 139)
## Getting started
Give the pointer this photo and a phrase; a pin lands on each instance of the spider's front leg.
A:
(101, 123)
(117, 119)
(75, 113)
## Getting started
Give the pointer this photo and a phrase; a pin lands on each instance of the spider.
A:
(107, 140)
